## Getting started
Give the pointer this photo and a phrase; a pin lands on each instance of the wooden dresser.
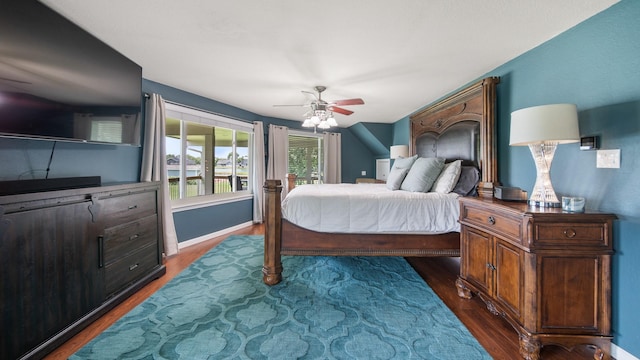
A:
(69, 256)
(129, 246)
(547, 272)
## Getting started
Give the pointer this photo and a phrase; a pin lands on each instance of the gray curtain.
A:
(154, 167)
(332, 157)
(258, 171)
(278, 163)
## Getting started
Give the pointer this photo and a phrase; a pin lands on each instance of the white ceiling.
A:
(398, 56)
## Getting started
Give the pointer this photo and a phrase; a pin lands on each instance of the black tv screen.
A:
(59, 82)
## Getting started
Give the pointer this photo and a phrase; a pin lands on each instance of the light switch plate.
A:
(364, 173)
(608, 159)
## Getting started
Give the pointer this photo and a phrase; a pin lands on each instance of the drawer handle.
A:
(491, 266)
(131, 207)
(134, 236)
(133, 267)
(491, 220)
(100, 251)
(570, 233)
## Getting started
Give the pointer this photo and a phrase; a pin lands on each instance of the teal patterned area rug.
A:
(325, 308)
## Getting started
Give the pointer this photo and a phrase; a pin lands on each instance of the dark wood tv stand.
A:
(547, 272)
(69, 256)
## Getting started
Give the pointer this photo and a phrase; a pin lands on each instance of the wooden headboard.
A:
(463, 114)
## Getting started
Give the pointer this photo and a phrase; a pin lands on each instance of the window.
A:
(107, 131)
(117, 129)
(216, 152)
(305, 157)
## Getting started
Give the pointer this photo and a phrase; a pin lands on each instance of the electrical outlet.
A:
(363, 172)
(608, 159)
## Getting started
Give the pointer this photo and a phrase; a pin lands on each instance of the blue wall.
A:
(376, 137)
(356, 157)
(595, 65)
(194, 223)
(23, 159)
(401, 131)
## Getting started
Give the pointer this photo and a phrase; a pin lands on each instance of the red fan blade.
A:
(340, 110)
(348, 102)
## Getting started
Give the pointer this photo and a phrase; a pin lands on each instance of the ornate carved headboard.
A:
(461, 126)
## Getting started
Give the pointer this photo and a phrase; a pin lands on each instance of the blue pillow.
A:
(423, 174)
(395, 178)
(404, 163)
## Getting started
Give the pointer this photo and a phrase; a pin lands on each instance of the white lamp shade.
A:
(323, 125)
(397, 151)
(546, 123)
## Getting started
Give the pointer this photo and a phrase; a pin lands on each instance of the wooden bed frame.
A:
(476, 103)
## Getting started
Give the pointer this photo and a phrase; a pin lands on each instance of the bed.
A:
(459, 127)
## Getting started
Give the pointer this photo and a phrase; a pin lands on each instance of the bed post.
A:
(291, 181)
(272, 268)
(489, 176)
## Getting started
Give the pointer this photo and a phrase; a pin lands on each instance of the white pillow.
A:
(448, 178)
(395, 177)
(422, 174)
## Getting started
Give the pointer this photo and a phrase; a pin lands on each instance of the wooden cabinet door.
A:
(572, 298)
(49, 262)
(476, 263)
(509, 281)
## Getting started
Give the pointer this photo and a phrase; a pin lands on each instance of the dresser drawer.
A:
(124, 208)
(497, 223)
(126, 238)
(130, 268)
(570, 233)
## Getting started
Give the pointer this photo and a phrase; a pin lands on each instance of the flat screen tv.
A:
(59, 82)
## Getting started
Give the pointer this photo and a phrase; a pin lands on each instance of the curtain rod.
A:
(147, 96)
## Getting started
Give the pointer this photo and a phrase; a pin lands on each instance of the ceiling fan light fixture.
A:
(320, 114)
(332, 121)
(308, 123)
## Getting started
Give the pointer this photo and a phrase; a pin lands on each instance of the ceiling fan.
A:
(321, 112)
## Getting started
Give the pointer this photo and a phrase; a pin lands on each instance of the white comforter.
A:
(370, 208)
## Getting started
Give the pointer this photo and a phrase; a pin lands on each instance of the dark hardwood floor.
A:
(495, 334)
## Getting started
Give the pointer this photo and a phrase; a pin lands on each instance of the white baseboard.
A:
(618, 353)
(199, 239)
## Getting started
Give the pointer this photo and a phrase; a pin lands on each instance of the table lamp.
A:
(543, 128)
(397, 151)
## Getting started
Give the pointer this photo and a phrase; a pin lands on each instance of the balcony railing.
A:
(195, 186)
(301, 181)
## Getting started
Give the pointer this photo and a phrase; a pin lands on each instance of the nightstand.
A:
(547, 272)
(369, 181)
